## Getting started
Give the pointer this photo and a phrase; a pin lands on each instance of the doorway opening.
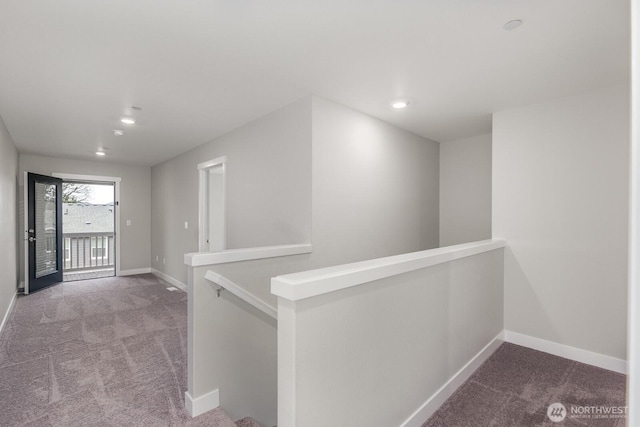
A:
(212, 236)
(88, 230)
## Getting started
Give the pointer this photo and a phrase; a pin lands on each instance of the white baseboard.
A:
(178, 284)
(568, 352)
(202, 404)
(6, 314)
(134, 271)
(439, 397)
(584, 356)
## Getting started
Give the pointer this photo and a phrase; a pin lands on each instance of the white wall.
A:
(560, 181)
(268, 180)
(465, 190)
(633, 332)
(375, 187)
(8, 224)
(135, 200)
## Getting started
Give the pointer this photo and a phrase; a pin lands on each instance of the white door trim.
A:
(633, 311)
(203, 202)
(25, 234)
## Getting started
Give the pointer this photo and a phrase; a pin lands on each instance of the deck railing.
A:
(87, 251)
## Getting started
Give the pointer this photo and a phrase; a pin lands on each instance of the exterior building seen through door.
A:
(88, 223)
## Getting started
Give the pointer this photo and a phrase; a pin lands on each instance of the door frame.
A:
(203, 203)
(115, 180)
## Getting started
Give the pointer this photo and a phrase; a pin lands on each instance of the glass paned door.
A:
(44, 232)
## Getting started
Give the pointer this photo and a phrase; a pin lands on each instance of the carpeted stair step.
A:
(214, 418)
(219, 418)
(247, 422)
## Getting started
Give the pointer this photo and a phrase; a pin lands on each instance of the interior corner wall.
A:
(8, 224)
(375, 187)
(268, 194)
(366, 188)
(465, 190)
(135, 201)
(560, 188)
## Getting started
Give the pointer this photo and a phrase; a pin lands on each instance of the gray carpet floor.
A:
(516, 385)
(112, 352)
(104, 352)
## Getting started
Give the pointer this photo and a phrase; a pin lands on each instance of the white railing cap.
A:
(312, 283)
(197, 259)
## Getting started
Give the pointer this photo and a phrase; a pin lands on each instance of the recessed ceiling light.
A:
(512, 25)
(134, 107)
(100, 153)
(399, 104)
(127, 121)
(118, 132)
